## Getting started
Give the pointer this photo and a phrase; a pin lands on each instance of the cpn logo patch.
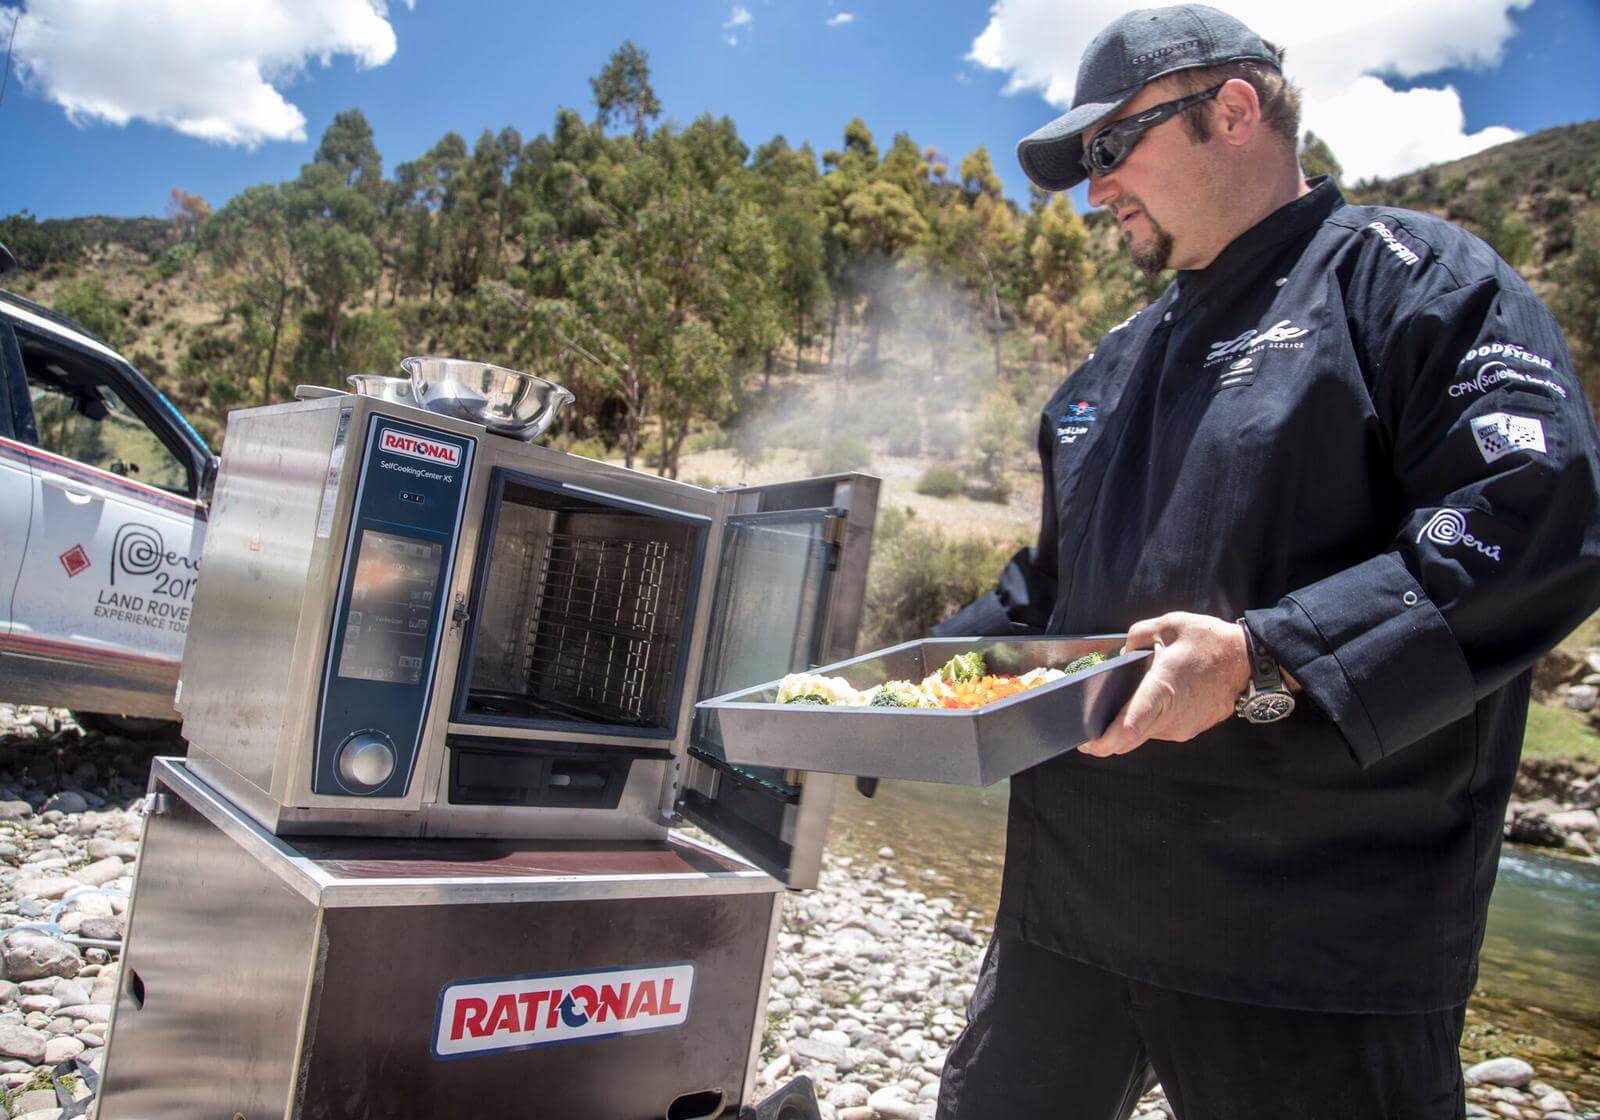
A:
(433, 451)
(519, 1012)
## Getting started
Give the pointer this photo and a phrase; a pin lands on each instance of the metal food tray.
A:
(975, 747)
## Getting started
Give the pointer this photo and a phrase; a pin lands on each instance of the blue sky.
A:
(901, 66)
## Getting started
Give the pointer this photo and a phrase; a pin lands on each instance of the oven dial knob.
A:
(366, 760)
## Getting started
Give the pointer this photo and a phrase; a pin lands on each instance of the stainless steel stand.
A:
(322, 978)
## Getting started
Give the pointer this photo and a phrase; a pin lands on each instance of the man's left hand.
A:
(1199, 669)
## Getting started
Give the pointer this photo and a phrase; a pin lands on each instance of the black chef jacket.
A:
(1359, 429)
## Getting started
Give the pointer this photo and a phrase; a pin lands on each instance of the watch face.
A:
(1268, 707)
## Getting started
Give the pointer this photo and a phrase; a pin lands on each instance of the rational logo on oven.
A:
(418, 448)
(519, 1012)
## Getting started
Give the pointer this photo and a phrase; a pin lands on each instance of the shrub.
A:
(843, 452)
(942, 481)
(919, 577)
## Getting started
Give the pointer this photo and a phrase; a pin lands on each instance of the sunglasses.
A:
(1112, 144)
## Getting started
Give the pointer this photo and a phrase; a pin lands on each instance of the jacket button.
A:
(1409, 598)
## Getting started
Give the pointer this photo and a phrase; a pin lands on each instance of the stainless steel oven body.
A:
(409, 626)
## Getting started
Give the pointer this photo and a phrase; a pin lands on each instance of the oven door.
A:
(790, 583)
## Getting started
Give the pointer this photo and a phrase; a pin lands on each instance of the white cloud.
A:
(209, 70)
(841, 19)
(737, 20)
(1338, 54)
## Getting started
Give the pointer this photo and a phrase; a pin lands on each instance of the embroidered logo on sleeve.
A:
(1396, 246)
(1500, 433)
(1447, 528)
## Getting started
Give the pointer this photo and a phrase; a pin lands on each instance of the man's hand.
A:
(1199, 668)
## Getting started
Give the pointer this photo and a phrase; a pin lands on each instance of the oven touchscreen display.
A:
(391, 606)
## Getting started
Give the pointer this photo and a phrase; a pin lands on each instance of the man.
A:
(1340, 479)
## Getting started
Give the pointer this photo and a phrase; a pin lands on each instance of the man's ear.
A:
(1238, 113)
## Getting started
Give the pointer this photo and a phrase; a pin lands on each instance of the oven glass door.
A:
(775, 583)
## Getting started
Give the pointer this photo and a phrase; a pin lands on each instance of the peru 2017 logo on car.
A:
(519, 1012)
(434, 451)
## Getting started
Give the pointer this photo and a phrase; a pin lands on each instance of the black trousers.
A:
(1050, 1038)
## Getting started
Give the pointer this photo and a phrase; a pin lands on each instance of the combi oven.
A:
(410, 626)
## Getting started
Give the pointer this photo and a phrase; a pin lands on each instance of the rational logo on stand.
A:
(519, 1012)
(434, 451)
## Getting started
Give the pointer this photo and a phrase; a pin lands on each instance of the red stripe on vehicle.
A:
(27, 643)
(29, 454)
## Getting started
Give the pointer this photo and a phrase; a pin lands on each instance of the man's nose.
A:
(1102, 188)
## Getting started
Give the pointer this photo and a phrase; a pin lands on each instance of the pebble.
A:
(22, 1043)
(1500, 1071)
(28, 956)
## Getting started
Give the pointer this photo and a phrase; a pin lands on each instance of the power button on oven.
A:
(365, 760)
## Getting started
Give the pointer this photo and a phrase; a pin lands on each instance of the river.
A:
(1538, 989)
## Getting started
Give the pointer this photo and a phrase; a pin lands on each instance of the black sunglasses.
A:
(1112, 144)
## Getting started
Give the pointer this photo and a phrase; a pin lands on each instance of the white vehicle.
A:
(101, 520)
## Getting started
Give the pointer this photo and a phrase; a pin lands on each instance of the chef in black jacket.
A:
(1341, 478)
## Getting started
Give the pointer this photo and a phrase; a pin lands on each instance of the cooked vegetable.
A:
(832, 690)
(963, 682)
(898, 694)
(963, 667)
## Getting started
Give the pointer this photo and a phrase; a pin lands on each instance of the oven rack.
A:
(605, 628)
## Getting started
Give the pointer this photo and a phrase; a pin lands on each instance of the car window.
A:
(80, 415)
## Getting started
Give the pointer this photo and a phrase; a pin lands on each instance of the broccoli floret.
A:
(809, 698)
(964, 667)
(887, 699)
(1084, 662)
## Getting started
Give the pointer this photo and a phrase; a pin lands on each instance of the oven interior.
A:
(582, 613)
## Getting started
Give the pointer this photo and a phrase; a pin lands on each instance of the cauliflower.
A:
(808, 688)
(898, 694)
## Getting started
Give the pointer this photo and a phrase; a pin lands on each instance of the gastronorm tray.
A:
(974, 747)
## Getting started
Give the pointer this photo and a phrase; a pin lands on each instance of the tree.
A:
(252, 249)
(1576, 301)
(91, 304)
(1316, 158)
(622, 91)
(348, 148)
(186, 212)
(1061, 261)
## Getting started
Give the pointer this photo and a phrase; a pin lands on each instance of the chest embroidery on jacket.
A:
(1075, 421)
(1285, 334)
(1237, 373)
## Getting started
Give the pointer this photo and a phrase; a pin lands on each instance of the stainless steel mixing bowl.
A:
(396, 389)
(505, 401)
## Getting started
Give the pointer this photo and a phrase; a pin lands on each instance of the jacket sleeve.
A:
(1497, 553)
(1026, 592)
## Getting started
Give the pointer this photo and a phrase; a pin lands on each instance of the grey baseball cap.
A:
(1134, 51)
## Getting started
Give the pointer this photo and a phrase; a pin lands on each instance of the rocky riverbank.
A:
(871, 978)
(1555, 806)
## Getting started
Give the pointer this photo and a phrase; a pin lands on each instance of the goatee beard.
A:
(1153, 257)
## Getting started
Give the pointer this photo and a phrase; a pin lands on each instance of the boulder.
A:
(1533, 827)
(1586, 821)
(1582, 697)
(31, 956)
(22, 1043)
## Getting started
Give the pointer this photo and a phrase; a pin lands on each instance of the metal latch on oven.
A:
(459, 613)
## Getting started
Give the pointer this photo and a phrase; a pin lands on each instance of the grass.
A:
(1559, 733)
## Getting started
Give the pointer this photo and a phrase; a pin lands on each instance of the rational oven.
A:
(422, 858)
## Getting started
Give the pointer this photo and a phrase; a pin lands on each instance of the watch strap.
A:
(1265, 676)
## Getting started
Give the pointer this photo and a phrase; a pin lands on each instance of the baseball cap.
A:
(1134, 51)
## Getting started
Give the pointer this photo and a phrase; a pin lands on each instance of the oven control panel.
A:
(390, 607)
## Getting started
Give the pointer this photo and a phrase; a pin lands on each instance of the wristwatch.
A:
(1265, 699)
